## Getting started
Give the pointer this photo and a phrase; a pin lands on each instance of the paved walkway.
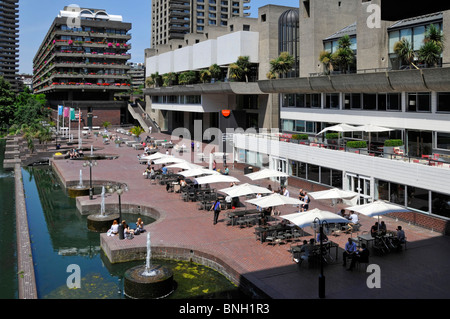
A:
(419, 272)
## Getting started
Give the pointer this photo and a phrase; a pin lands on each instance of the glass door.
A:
(359, 184)
(281, 165)
(419, 143)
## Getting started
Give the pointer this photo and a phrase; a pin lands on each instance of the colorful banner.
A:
(72, 114)
(66, 111)
(60, 110)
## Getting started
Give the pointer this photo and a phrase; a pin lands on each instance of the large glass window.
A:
(332, 101)
(325, 175)
(443, 140)
(336, 178)
(419, 102)
(288, 38)
(369, 101)
(440, 204)
(417, 198)
(313, 173)
(443, 102)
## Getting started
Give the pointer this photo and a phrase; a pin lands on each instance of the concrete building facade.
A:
(82, 64)
(9, 42)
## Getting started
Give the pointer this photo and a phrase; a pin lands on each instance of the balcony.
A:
(396, 169)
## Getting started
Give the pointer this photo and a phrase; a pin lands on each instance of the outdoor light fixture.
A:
(119, 189)
(317, 222)
(90, 163)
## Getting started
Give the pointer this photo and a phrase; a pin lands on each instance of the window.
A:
(325, 175)
(332, 101)
(369, 101)
(263, 17)
(417, 198)
(419, 102)
(443, 141)
(440, 204)
(313, 173)
(443, 102)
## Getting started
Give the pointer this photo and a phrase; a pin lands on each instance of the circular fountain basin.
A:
(155, 283)
(101, 223)
(76, 191)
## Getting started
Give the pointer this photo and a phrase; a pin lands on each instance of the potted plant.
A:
(357, 146)
(389, 145)
(299, 138)
(137, 131)
(117, 142)
(332, 138)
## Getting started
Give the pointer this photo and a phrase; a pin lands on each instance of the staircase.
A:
(137, 112)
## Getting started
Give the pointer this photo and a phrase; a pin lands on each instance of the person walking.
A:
(216, 208)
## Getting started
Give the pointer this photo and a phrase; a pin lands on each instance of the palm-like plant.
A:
(283, 64)
(169, 78)
(154, 80)
(326, 59)
(404, 51)
(216, 71)
(240, 69)
(433, 45)
(205, 75)
(187, 77)
(344, 57)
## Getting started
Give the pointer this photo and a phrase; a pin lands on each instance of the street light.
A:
(316, 222)
(119, 189)
(90, 162)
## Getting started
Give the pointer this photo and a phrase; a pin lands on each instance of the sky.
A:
(36, 17)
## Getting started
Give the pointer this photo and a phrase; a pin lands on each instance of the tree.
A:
(326, 59)
(344, 57)
(404, 51)
(433, 45)
(7, 107)
(205, 75)
(240, 69)
(154, 80)
(216, 71)
(187, 77)
(283, 64)
(169, 79)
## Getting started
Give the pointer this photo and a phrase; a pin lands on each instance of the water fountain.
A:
(78, 190)
(101, 222)
(148, 281)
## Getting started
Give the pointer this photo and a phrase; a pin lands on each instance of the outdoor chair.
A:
(271, 238)
(280, 237)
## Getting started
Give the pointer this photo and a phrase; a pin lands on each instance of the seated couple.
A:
(128, 233)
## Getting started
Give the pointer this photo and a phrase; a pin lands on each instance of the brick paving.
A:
(421, 271)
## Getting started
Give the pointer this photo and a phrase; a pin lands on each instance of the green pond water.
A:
(60, 238)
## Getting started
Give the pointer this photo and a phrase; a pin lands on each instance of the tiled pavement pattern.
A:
(421, 271)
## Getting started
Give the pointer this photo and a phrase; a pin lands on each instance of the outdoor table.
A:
(367, 238)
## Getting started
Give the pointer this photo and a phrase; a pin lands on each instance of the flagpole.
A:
(79, 132)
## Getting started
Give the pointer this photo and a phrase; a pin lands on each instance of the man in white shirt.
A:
(353, 217)
(285, 192)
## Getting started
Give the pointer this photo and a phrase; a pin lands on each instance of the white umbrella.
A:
(274, 200)
(169, 159)
(198, 172)
(339, 128)
(185, 165)
(307, 218)
(155, 156)
(372, 128)
(265, 173)
(333, 194)
(245, 189)
(377, 208)
(216, 178)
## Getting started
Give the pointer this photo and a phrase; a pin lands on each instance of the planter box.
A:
(388, 151)
(358, 150)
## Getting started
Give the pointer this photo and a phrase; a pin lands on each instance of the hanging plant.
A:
(70, 42)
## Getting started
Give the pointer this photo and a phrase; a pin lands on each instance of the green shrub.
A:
(356, 144)
(393, 143)
(300, 136)
(330, 136)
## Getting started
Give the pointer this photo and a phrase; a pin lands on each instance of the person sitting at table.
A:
(164, 169)
(383, 228)
(374, 229)
(305, 251)
(350, 249)
(354, 220)
(361, 256)
(400, 238)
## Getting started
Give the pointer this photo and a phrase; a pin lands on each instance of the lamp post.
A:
(90, 162)
(119, 189)
(316, 222)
